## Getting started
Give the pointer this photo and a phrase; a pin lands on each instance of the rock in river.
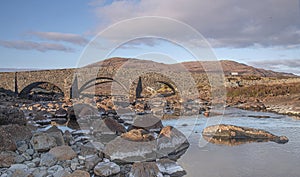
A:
(225, 132)
(173, 145)
(147, 122)
(169, 167)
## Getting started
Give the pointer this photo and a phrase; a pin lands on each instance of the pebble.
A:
(22, 146)
(60, 173)
(54, 169)
(19, 159)
(30, 151)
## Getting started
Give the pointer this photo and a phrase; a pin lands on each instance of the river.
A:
(259, 159)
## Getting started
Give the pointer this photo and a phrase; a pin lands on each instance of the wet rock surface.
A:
(171, 144)
(169, 167)
(230, 134)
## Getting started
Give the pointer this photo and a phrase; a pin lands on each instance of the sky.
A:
(59, 34)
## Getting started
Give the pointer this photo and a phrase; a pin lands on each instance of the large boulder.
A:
(24, 133)
(91, 148)
(43, 142)
(9, 136)
(106, 126)
(104, 130)
(147, 122)
(173, 145)
(123, 150)
(169, 167)
(114, 126)
(63, 152)
(223, 131)
(58, 134)
(11, 115)
(7, 143)
(82, 110)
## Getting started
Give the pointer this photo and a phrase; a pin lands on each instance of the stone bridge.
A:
(23, 82)
(73, 82)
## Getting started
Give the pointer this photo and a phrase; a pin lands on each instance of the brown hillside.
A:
(193, 66)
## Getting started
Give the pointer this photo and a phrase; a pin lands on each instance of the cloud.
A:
(39, 46)
(230, 23)
(64, 37)
(282, 65)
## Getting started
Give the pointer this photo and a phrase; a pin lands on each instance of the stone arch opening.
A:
(169, 86)
(42, 91)
(159, 95)
(100, 81)
(154, 84)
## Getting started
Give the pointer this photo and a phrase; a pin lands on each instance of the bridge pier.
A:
(74, 92)
(139, 89)
(16, 84)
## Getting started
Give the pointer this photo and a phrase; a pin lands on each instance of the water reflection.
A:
(234, 141)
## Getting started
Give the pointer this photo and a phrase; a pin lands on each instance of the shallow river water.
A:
(259, 159)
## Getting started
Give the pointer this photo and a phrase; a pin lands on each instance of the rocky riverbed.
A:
(64, 139)
(102, 137)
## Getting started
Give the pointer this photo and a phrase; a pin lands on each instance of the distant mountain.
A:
(228, 66)
(117, 62)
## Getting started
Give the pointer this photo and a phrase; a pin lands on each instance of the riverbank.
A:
(267, 94)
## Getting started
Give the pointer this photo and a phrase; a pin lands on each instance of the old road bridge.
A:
(72, 82)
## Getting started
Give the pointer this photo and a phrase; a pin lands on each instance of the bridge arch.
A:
(174, 91)
(25, 92)
(95, 81)
(151, 83)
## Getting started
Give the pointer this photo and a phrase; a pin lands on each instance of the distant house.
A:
(234, 73)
